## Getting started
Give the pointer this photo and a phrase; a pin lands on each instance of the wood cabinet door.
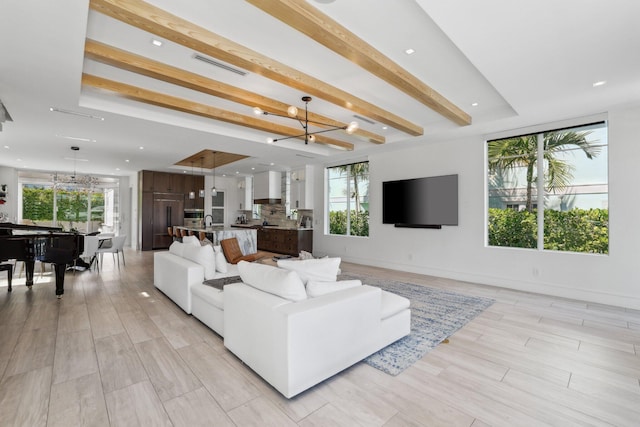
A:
(167, 211)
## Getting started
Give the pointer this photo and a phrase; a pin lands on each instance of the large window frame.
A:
(103, 218)
(574, 192)
(348, 185)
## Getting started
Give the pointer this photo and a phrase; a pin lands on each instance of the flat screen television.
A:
(429, 202)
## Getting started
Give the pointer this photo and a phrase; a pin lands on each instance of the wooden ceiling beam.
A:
(157, 21)
(178, 104)
(305, 18)
(138, 64)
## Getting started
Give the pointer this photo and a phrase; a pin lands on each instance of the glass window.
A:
(217, 208)
(83, 206)
(574, 191)
(348, 202)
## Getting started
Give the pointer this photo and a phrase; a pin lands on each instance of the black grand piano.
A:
(29, 243)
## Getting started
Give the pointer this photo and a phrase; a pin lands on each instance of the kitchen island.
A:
(282, 240)
(247, 237)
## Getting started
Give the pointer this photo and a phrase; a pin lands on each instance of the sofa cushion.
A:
(318, 270)
(209, 294)
(177, 249)
(191, 240)
(202, 255)
(221, 263)
(283, 283)
(392, 304)
(316, 289)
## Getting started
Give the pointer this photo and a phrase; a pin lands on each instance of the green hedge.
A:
(359, 223)
(577, 230)
(37, 205)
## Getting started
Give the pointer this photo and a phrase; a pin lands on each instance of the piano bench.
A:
(9, 269)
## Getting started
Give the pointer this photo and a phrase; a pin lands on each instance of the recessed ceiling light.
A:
(6, 146)
(117, 169)
(600, 83)
(271, 164)
(475, 104)
(410, 51)
(253, 169)
(75, 113)
(141, 148)
(156, 42)
(76, 138)
(126, 160)
(385, 127)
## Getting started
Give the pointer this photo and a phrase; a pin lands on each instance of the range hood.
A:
(267, 187)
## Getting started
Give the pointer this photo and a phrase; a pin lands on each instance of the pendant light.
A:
(192, 194)
(214, 192)
(201, 191)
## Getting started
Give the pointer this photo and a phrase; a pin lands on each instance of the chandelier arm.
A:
(326, 130)
(309, 133)
(267, 113)
(290, 137)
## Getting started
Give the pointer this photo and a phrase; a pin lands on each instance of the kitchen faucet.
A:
(205, 220)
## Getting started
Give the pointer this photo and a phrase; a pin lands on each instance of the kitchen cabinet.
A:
(283, 241)
(298, 194)
(164, 182)
(167, 211)
(302, 189)
(162, 204)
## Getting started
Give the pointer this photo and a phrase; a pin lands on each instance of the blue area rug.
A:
(435, 315)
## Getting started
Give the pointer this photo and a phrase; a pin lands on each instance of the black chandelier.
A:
(292, 112)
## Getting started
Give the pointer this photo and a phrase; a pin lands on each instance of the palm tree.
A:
(522, 151)
(357, 171)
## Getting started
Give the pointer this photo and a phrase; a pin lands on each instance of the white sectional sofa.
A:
(294, 324)
(294, 343)
(180, 276)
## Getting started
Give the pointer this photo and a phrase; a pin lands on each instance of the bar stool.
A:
(9, 269)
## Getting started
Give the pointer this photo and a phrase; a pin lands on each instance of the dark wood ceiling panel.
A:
(207, 159)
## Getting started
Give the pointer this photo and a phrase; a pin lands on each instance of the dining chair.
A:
(116, 248)
(91, 244)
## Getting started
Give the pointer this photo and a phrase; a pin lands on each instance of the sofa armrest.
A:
(294, 346)
(174, 276)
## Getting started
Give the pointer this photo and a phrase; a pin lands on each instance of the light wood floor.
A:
(115, 351)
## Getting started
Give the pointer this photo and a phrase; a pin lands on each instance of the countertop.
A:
(272, 227)
(205, 229)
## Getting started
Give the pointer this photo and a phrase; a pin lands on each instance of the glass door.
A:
(217, 208)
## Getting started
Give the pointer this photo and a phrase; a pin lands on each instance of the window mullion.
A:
(540, 173)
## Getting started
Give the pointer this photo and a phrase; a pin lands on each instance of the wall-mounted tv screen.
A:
(421, 202)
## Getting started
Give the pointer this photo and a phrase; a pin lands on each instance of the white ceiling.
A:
(524, 63)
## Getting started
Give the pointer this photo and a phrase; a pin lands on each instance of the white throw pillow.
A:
(191, 240)
(315, 289)
(276, 281)
(318, 270)
(202, 255)
(177, 249)
(221, 262)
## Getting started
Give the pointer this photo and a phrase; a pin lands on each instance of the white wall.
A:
(460, 252)
(8, 176)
